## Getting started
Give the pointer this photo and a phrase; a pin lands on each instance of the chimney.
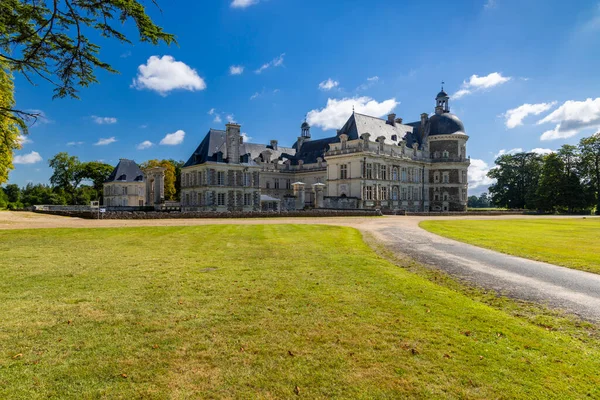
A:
(274, 144)
(391, 118)
(424, 118)
(232, 139)
(398, 120)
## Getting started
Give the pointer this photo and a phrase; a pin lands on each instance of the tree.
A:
(517, 177)
(50, 40)
(9, 124)
(590, 166)
(178, 165)
(98, 173)
(42, 194)
(170, 176)
(67, 175)
(551, 183)
(13, 193)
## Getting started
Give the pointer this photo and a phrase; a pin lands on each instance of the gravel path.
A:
(574, 291)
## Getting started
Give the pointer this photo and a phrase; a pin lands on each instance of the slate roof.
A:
(126, 171)
(441, 124)
(358, 124)
(313, 149)
(215, 142)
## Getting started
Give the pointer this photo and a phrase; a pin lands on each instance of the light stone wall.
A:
(128, 194)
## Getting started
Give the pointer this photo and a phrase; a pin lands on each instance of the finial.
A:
(352, 108)
(443, 85)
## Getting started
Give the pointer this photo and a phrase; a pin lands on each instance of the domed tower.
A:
(305, 127)
(447, 142)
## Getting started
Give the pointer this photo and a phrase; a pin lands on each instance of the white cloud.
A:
(146, 144)
(243, 3)
(217, 119)
(255, 95)
(31, 158)
(230, 118)
(22, 139)
(126, 54)
(511, 151)
(539, 150)
(328, 84)
(236, 70)
(173, 139)
(40, 117)
(336, 112)
(104, 142)
(165, 74)
(74, 143)
(276, 62)
(514, 117)
(246, 137)
(571, 118)
(370, 82)
(490, 4)
(104, 120)
(144, 126)
(373, 78)
(478, 174)
(477, 83)
(211, 111)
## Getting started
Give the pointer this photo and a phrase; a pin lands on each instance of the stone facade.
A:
(378, 163)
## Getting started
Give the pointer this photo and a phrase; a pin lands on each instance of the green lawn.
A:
(572, 243)
(258, 312)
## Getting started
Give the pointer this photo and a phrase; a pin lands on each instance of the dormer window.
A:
(394, 137)
(446, 154)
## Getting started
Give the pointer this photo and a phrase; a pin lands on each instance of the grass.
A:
(272, 311)
(570, 242)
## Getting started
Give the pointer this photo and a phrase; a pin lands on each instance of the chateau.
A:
(370, 163)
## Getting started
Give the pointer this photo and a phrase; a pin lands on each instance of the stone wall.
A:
(201, 214)
(340, 203)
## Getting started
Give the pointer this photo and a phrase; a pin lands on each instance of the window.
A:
(247, 199)
(187, 199)
(276, 184)
(220, 199)
(403, 193)
(288, 184)
(383, 173)
(410, 175)
(247, 179)
(410, 193)
(125, 190)
(384, 193)
(343, 171)
(221, 178)
(436, 177)
(395, 174)
(369, 171)
(436, 196)
(446, 178)
(369, 192)
(403, 174)
(209, 200)
(395, 193)
(445, 154)
(445, 196)
(194, 178)
(268, 185)
(415, 194)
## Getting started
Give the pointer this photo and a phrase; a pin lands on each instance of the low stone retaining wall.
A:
(463, 213)
(199, 214)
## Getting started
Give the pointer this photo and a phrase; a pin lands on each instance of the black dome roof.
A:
(305, 125)
(442, 94)
(445, 124)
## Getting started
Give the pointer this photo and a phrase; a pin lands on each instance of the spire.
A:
(441, 101)
(305, 128)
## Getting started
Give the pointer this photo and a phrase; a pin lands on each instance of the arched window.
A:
(395, 192)
(395, 174)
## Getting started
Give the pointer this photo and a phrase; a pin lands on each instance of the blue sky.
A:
(292, 58)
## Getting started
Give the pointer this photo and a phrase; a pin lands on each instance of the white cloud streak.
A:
(104, 120)
(243, 3)
(477, 83)
(337, 112)
(276, 62)
(236, 70)
(165, 74)
(515, 116)
(328, 84)
(477, 174)
(173, 139)
(104, 142)
(571, 118)
(146, 144)
(30, 158)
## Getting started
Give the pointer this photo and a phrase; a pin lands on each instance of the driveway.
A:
(574, 291)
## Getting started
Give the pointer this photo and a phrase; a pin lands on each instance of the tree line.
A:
(74, 182)
(565, 181)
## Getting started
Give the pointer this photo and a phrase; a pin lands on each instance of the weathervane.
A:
(443, 85)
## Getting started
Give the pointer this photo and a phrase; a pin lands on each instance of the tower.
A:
(441, 102)
(305, 130)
